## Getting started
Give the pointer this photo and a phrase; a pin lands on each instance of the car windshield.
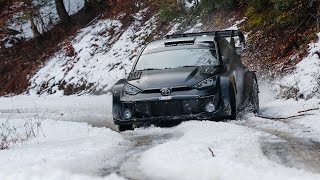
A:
(177, 58)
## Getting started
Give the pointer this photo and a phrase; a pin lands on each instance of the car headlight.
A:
(205, 83)
(130, 89)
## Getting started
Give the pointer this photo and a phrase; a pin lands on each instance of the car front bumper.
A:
(174, 110)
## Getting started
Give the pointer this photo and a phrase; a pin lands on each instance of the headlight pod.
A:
(130, 89)
(205, 83)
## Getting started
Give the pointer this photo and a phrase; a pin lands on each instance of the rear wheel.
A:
(255, 97)
(125, 127)
(251, 93)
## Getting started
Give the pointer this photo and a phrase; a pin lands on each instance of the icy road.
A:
(77, 140)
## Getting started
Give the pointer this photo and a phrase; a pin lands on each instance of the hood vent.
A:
(134, 75)
(207, 70)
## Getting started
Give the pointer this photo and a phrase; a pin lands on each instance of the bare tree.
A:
(62, 12)
(316, 3)
(34, 29)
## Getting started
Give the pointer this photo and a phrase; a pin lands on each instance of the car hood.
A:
(178, 77)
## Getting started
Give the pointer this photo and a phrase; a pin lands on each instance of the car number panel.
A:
(165, 98)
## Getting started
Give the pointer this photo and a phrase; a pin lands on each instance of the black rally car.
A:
(194, 76)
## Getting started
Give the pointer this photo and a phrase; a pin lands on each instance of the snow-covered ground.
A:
(71, 148)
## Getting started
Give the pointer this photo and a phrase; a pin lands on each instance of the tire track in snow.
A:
(128, 163)
(294, 152)
(294, 148)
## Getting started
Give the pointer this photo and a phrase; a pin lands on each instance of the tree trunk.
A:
(63, 15)
(318, 16)
(34, 29)
(33, 15)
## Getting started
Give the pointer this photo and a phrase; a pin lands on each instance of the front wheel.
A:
(125, 127)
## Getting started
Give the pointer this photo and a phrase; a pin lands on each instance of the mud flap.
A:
(225, 94)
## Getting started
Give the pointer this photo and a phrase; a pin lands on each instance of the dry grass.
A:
(11, 134)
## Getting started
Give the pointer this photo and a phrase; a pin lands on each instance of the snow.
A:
(236, 24)
(67, 150)
(235, 148)
(95, 110)
(104, 54)
(47, 18)
(72, 148)
(195, 28)
(305, 80)
(22, 26)
(73, 6)
(48, 15)
(190, 3)
(270, 106)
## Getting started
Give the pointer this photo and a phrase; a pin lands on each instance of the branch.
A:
(282, 118)
(211, 152)
(307, 110)
(93, 20)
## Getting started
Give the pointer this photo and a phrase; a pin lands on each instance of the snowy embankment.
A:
(104, 53)
(304, 82)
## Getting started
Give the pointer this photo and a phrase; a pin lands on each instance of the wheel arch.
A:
(116, 95)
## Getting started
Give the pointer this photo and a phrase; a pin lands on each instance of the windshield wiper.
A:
(186, 66)
(215, 66)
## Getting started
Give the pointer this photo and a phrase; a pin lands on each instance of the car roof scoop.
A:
(178, 42)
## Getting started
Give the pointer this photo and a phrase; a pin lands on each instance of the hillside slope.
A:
(99, 55)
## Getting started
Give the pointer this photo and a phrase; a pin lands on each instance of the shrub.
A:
(11, 134)
(209, 6)
(169, 10)
(255, 21)
(259, 5)
(225, 4)
(280, 14)
(283, 5)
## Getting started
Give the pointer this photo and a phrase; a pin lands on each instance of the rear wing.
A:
(234, 35)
